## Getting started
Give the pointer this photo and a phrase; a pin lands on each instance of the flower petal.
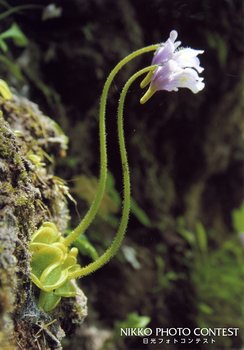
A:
(164, 53)
(187, 78)
(166, 50)
(188, 58)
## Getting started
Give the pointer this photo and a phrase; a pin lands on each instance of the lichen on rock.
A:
(30, 193)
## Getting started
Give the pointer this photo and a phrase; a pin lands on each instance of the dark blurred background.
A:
(181, 262)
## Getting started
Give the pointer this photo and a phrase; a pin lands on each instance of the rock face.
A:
(29, 195)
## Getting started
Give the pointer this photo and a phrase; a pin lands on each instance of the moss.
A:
(29, 194)
(21, 201)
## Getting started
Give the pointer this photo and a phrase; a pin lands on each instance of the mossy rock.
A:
(30, 193)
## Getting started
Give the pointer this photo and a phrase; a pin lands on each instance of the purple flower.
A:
(166, 51)
(177, 68)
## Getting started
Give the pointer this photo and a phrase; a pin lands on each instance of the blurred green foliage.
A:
(14, 33)
(219, 284)
(85, 188)
(217, 42)
(216, 271)
(133, 320)
(238, 219)
(85, 247)
(218, 276)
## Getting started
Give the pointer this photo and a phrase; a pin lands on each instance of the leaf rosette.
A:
(52, 266)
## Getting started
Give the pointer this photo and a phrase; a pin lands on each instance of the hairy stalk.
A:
(90, 215)
(112, 250)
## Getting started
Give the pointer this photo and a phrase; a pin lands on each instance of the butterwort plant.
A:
(54, 266)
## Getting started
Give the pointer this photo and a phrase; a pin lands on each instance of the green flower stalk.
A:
(54, 265)
(112, 250)
(86, 221)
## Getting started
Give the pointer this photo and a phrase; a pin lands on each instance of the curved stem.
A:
(112, 250)
(12, 10)
(85, 222)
